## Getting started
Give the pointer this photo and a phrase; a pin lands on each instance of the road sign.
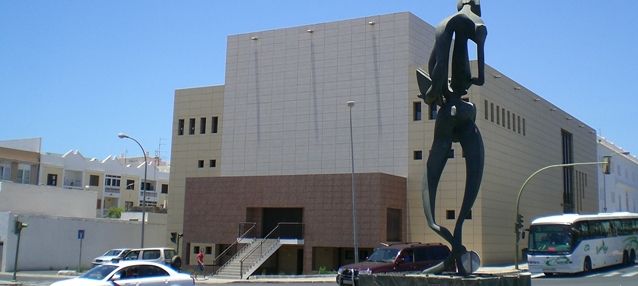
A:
(80, 234)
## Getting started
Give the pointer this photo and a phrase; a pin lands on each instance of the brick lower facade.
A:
(217, 205)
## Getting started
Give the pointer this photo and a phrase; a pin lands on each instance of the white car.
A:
(138, 273)
(116, 253)
(167, 256)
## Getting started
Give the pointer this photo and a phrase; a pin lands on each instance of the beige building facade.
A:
(282, 112)
(522, 132)
(196, 144)
(20, 160)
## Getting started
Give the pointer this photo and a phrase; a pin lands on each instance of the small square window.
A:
(418, 155)
(212, 163)
(195, 249)
(202, 125)
(486, 110)
(130, 184)
(94, 180)
(52, 179)
(209, 250)
(416, 111)
(450, 214)
(180, 127)
(492, 112)
(200, 164)
(191, 126)
(214, 122)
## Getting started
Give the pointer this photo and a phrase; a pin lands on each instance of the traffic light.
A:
(606, 165)
(175, 237)
(19, 226)
(519, 222)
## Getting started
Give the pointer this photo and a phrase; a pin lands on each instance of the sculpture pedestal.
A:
(402, 279)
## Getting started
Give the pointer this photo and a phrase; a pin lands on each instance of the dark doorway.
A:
(299, 261)
(1, 251)
(273, 216)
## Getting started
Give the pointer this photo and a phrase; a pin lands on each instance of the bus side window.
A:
(606, 229)
(581, 231)
(616, 228)
(595, 229)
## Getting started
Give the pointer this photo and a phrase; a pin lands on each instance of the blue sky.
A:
(78, 72)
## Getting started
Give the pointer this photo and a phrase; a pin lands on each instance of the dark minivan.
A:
(395, 258)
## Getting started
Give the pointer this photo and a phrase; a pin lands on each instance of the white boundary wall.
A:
(25, 198)
(51, 243)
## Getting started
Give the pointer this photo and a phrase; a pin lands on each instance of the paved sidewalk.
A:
(319, 278)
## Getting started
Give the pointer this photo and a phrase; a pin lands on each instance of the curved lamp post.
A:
(122, 136)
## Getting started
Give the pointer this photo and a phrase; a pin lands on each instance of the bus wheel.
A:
(632, 257)
(587, 265)
(625, 258)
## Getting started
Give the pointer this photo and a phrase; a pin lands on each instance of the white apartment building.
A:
(618, 191)
(117, 181)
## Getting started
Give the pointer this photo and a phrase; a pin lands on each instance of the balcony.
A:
(150, 196)
(73, 184)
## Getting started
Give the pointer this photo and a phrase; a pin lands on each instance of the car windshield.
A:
(112, 252)
(99, 272)
(383, 255)
(550, 238)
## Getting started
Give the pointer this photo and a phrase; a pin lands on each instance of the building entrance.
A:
(288, 219)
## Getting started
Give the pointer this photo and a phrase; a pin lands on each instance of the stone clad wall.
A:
(216, 205)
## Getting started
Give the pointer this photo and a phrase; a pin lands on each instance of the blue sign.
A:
(80, 234)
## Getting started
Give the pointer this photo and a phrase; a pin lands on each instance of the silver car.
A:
(109, 256)
(137, 273)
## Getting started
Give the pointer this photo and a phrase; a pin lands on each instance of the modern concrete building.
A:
(272, 145)
(618, 191)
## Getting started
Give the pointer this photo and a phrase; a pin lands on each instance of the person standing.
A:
(200, 261)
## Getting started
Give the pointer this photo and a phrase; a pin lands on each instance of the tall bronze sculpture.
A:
(455, 120)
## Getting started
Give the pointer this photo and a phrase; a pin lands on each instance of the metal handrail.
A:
(261, 243)
(235, 243)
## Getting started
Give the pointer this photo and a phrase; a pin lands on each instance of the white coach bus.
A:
(573, 243)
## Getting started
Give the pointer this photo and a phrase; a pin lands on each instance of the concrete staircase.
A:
(248, 259)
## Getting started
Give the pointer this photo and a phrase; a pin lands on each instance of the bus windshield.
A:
(550, 239)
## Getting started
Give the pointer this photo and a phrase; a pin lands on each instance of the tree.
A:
(115, 212)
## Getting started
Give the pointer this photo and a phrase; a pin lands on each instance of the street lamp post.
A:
(518, 222)
(122, 136)
(354, 205)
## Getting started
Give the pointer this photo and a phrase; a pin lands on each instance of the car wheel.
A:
(587, 265)
(632, 257)
(176, 262)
